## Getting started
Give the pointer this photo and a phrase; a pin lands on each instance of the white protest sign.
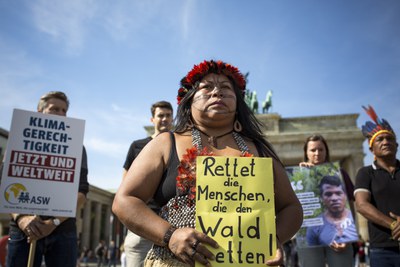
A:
(42, 165)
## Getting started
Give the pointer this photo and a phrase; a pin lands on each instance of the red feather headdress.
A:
(206, 67)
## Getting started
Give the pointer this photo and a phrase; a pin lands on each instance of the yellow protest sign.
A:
(235, 206)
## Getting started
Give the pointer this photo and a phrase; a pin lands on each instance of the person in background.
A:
(287, 248)
(136, 247)
(377, 192)
(85, 256)
(122, 256)
(316, 151)
(361, 251)
(100, 252)
(112, 254)
(212, 118)
(339, 226)
(3, 248)
(56, 237)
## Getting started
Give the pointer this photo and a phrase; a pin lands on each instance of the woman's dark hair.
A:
(316, 137)
(251, 126)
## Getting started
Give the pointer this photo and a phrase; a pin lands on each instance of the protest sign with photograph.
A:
(322, 194)
(42, 165)
(235, 206)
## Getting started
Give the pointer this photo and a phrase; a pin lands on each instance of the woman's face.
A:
(215, 96)
(316, 152)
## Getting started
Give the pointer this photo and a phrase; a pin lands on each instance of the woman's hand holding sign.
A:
(190, 246)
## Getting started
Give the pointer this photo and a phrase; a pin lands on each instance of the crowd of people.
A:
(102, 255)
(213, 119)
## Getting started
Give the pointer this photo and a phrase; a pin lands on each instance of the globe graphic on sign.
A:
(13, 191)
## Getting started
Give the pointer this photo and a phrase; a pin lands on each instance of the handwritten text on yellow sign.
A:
(235, 206)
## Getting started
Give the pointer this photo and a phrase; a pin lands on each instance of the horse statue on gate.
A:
(254, 102)
(267, 104)
(247, 98)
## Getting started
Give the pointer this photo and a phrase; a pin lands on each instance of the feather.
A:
(372, 114)
(370, 126)
(364, 131)
(386, 125)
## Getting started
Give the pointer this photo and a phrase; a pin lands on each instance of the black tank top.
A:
(167, 187)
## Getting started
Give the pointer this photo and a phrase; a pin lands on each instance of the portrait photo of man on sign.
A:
(323, 194)
(338, 223)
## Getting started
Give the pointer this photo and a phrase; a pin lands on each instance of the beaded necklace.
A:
(196, 140)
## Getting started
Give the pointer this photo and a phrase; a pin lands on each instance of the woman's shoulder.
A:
(163, 137)
(161, 143)
(183, 136)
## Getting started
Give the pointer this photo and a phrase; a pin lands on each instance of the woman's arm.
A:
(138, 187)
(289, 213)
(288, 210)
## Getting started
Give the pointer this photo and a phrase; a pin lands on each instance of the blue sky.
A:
(115, 58)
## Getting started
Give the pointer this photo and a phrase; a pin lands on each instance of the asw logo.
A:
(18, 194)
(13, 192)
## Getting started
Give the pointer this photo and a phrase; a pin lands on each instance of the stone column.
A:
(97, 223)
(86, 223)
(107, 228)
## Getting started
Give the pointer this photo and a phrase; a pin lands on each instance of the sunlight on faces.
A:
(316, 152)
(55, 106)
(384, 144)
(215, 95)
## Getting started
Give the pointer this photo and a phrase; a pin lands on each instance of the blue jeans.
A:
(380, 257)
(58, 249)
